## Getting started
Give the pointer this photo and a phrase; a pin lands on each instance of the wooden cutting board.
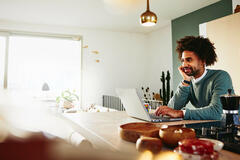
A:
(132, 131)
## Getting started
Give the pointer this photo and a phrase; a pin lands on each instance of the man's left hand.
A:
(165, 110)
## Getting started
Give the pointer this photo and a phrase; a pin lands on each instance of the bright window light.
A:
(34, 61)
(2, 59)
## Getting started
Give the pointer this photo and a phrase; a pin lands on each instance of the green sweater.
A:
(204, 95)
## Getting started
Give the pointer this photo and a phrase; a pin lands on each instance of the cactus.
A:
(163, 88)
(160, 92)
(165, 91)
(168, 86)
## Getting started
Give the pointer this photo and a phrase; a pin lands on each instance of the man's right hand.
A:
(165, 110)
(183, 74)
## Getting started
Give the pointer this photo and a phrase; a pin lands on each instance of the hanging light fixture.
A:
(148, 18)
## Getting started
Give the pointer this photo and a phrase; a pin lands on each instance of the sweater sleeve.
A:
(213, 111)
(180, 98)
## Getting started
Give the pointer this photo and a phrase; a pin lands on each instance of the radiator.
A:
(112, 102)
(115, 103)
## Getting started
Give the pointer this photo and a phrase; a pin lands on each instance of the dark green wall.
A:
(189, 25)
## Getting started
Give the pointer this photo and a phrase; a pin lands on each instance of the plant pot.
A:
(67, 105)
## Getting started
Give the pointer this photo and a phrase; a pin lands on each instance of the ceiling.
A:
(115, 15)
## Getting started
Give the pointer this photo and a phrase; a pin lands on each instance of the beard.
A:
(190, 71)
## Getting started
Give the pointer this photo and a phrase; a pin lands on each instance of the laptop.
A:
(134, 107)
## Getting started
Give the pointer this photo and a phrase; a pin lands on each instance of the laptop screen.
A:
(132, 103)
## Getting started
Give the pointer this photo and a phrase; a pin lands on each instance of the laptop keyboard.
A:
(162, 118)
(154, 116)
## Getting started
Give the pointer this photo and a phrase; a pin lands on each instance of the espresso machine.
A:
(230, 103)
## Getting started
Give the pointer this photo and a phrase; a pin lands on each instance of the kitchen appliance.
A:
(230, 136)
(230, 103)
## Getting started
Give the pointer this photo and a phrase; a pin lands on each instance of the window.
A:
(2, 59)
(33, 61)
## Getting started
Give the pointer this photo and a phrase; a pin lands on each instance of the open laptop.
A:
(136, 109)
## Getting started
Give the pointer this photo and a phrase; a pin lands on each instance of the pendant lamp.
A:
(148, 18)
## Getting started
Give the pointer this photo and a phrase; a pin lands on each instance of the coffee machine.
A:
(230, 103)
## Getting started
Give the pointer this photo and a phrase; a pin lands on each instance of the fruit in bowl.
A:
(197, 149)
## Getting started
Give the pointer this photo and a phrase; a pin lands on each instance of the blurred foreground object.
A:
(146, 155)
(39, 147)
(148, 143)
(35, 147)
(168, 155)
(30, 131)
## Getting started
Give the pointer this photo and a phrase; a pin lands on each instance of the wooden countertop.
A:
(101, 128)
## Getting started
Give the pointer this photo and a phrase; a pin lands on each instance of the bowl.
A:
(172, 134)
(132, 131)
(218, 145)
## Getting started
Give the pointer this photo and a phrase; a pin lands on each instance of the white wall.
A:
(159, 56)
(122, 63)
(225, 33)
(122, 58)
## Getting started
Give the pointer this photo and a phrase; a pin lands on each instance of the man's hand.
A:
(165, 110)
(183, 74)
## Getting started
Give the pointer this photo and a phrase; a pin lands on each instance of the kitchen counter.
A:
(101, 128)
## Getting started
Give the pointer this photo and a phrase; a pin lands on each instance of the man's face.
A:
(191, 64)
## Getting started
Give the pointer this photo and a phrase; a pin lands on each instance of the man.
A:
(201, 86)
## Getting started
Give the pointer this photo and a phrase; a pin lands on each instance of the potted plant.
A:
(67, 99)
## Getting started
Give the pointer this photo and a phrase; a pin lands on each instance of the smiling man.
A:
(200, 86)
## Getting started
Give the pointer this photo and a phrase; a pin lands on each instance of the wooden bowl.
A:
(132, 131)
(172, 134)
(149, 143)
